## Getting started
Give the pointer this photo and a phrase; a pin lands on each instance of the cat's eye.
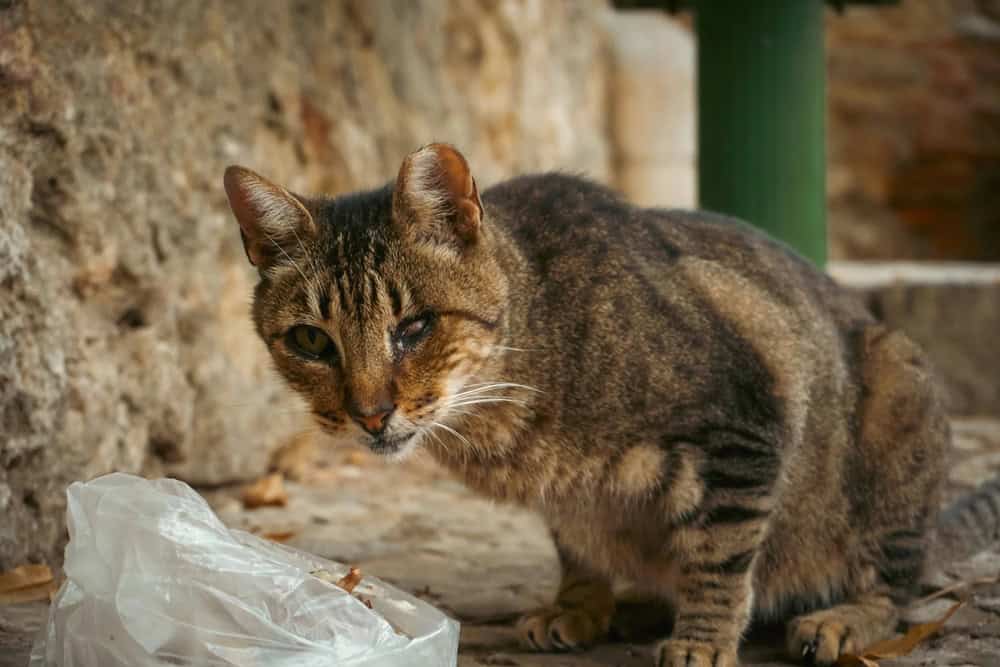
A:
(311, 342)
(412, 330)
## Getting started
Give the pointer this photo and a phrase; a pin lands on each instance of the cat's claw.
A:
(559, 629)
(820, 642)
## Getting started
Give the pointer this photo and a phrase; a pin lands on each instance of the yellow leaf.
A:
(30, 593)
(26, 583)
(24, 576)
(269, 490)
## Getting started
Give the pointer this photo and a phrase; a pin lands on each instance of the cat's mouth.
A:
(385, 445)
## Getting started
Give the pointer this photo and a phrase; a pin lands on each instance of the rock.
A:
(652, 108)
(912, 107)
(124, 337)
(976, 470)
(951, 310)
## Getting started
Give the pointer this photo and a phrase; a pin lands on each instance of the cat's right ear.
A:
(272, 220)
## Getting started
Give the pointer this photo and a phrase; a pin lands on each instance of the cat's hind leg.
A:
(894, 482)
(581, 615)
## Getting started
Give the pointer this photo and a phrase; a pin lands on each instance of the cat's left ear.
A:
(273, 221)
(435, 191)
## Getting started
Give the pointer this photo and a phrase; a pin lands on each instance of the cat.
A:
(687, 402)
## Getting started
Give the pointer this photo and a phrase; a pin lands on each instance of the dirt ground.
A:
(484, 563)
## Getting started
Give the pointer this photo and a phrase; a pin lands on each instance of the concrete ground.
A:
(412, 525)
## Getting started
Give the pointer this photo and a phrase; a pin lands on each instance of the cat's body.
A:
(652, 334)
(687, 403)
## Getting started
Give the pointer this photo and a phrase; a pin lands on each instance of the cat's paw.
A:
(820, 638)
(562, 629)
(687, 653)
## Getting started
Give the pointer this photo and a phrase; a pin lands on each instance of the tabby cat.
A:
(687, 403)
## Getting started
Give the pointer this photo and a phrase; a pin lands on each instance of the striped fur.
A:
(688, 403)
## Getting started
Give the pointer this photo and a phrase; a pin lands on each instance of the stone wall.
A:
(124, 335)
(914, 130)
(651, 108)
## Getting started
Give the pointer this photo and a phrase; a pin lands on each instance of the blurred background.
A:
(125, 342)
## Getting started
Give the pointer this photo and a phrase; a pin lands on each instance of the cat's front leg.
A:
(581, 615)
(714, 599)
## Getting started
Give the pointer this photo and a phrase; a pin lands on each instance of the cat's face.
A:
(378, 308)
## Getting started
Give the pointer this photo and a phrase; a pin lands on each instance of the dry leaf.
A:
(948, 590)
(268, 490)
(899, 646)
(350, 580)
(30, 593)
(347, 582)
(297, 457)
(279, 536)
(24, 576)
(357, 458)
(26, 583)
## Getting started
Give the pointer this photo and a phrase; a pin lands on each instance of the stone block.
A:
(952, 310)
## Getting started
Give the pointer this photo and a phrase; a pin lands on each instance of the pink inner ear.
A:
(238, 190)
(457, 178)
(435, 187)
(467, 218)
(267, 214)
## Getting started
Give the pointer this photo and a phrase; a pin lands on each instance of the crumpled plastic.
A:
(155, 578)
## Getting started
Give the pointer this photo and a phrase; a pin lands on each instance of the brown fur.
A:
(687, 403)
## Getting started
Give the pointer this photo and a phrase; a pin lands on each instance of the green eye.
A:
(310, 342)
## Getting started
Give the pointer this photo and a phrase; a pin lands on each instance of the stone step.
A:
(951, 309)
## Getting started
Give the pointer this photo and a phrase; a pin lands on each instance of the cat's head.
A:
(377, 307)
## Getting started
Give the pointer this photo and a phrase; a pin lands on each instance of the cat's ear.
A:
(272, 220)
(435, 191)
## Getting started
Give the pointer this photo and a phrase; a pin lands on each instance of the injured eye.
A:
(412, 330)
(311, 343)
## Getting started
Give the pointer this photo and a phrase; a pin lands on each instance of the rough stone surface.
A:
(124, 337)
(652, 108)
(914, 130)
(951, 310)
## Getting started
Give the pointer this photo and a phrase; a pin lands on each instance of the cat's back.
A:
(571, 230)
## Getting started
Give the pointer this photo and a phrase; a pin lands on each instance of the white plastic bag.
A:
(154, 578)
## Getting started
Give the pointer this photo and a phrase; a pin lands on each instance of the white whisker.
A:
(287, 256)
(507, 348)
(453, 432)
(486, 399)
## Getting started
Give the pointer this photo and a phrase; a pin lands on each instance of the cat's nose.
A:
(374, 421)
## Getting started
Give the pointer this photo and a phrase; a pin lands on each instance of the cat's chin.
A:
(394, 449)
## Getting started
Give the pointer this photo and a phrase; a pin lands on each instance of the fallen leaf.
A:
(898, 646)
(269, 490)
(350, 580)
(357, 458)
(279, 536)
(947, 590)
(24, 576)
(27, 583)
(297, 457)
(30, 593)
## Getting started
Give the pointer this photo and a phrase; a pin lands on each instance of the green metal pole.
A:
(762, 116)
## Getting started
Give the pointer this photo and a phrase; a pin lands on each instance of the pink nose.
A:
(374, 423)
